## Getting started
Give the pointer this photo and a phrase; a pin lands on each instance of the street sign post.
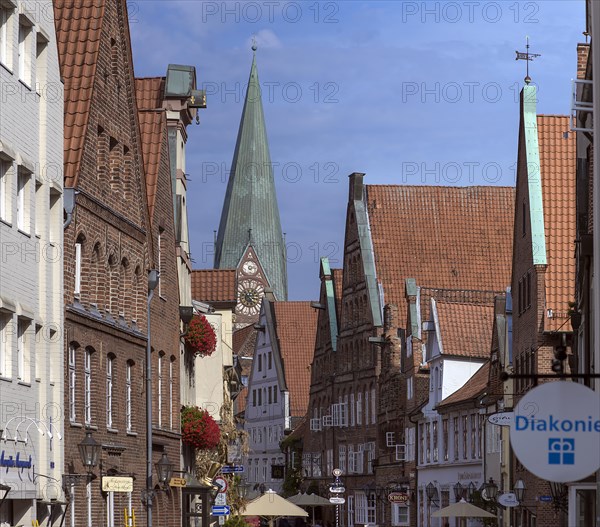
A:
(337, 500)
(221, 483)
(220, 510)
(232, 469)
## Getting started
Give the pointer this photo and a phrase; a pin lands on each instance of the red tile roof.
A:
(447, 237)
(558, 166)
(153, 126)
(78, 31)
(473, 388)
(296, 331)
(149, 92)
(214, 285)
(466, 329)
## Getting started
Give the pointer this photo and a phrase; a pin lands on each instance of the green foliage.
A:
(236, 521)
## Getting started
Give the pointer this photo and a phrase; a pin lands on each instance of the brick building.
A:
(109, 248)
(31, 274)
(543, 265)
(164, 308)
(393, 233)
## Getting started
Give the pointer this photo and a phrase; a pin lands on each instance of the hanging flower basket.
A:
(201, 338)
(199, 429)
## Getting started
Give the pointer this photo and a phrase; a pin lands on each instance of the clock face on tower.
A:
(250, 293)
(250, 268)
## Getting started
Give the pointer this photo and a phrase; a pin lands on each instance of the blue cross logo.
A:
(561, 451)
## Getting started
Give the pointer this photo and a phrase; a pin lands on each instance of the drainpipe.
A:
(69, 194)
(595, 50)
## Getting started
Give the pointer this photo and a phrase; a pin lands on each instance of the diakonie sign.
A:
(556, 431)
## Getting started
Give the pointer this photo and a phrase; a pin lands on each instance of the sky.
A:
(407, 92)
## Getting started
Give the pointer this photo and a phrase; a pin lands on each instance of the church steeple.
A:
(250, 201)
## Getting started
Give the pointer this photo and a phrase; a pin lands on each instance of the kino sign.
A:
(556, 431)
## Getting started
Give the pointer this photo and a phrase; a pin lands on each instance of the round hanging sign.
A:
(556, 431)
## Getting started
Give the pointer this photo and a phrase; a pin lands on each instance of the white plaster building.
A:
(31, 265)
(450, 444)
(278, 386)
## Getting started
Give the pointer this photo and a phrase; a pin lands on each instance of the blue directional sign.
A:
(230, 469)
(545, 499)
(220, 510)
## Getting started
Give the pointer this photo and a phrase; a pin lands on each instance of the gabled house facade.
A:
(440, 248)
(543, 271)
(108, 251)
(31, 267)
(278, 386)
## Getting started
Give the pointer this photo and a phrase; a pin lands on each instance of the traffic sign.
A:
(221, 499)
(221, 483)
(556, 431)
(220, 510)
(337, 490)
(508, 499)
(502, 418)
(337, 500)
(337, 472)
(545, 499)
(230, 469)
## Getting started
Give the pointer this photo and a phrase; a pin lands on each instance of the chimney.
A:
(356, 186)
(583, 50)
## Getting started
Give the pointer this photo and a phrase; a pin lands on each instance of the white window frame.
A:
(410, 391)
(23, 359)
(371, 508)
(5, 167)
(23, 178)
(6, 13)
(159, 393)
(350, 511)
(72, 382)
(397, 521)
(342, 458)
(110, 509)
(367, 407)
(77, 269)
(359, 410)
(351, 407)
(88, 495)
(109, 391)
(5, 345)
(87, 386)
(360, 511)
(351, 460)
(25, 50)
(390, 439)
(128, 390)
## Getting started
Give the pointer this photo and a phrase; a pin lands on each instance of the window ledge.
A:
(6, 68)
(24, 233)
(24, 383)
(6, 379)
(133, 434)
(6, 222)
(112, 430)
(25, 84)
(91, 427)
(75, 425)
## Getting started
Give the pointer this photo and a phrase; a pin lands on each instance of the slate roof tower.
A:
(250, 216)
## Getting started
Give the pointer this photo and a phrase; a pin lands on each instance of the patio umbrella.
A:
(272, 506)
(462, 509)
(309, 500)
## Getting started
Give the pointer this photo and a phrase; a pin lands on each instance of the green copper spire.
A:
(250, 213)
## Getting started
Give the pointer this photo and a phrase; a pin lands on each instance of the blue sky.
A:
(407, 92)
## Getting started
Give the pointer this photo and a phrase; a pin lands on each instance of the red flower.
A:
(199, 429)
(201, 337)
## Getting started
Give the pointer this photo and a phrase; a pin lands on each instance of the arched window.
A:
(159, 380)
(128, 395)
(110, 371)
(87, 385)
(73, 347)
(79, 244)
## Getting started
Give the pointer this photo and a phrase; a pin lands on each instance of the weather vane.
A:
(527, 57)
(254, 46)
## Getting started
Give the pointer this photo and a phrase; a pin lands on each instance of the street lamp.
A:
(458, 491)
(153, 277)
(491, 490)
(432, 492)
(519, 490)
(164, 469)
(470, 490)
(89, 451)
